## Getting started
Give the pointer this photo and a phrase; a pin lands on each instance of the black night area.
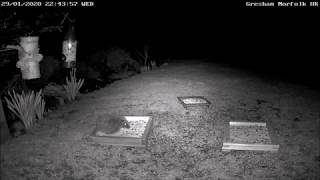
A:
(277, 42)
(159, 90)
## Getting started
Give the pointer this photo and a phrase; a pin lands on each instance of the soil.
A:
(183, 144)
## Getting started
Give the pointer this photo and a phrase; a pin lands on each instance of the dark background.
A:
(274, 41)
(232, 32)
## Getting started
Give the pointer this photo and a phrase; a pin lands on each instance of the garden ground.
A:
(183, 144)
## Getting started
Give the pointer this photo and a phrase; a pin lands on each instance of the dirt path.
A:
(183, 144)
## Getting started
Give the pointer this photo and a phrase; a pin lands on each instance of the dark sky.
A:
(208, 29)
(200, 29)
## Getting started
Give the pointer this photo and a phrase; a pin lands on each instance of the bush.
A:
(117, 58)
(97, 61)
(106, 63)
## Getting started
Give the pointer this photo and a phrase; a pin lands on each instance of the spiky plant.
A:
(72, 85)
(27, 106)
(144, 57)
(146, 54)
(39, 106)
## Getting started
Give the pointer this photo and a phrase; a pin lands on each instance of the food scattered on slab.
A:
(249, 136)
(137, 127)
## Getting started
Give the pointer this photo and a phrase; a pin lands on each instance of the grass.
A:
(183, 144)
(72, 86)
(27, 106)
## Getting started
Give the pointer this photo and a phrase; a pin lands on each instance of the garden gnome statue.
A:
(69, 48)
(29, 57)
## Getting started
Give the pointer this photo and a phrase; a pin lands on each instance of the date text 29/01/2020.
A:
(45, 3)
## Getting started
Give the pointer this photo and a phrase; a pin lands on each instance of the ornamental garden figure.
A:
(69, 49)
(29, 57)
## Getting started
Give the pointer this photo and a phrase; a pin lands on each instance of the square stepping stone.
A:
(136, 135)
(193, 101)
(251, 136)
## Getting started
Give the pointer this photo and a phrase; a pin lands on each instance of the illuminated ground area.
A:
(184, 144)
